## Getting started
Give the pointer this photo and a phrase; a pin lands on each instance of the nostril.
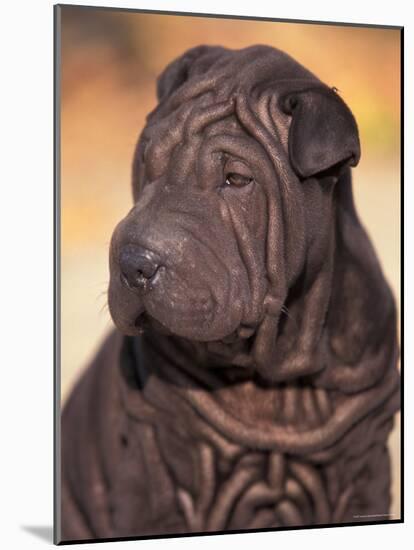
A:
(145, 267)
(138, 266)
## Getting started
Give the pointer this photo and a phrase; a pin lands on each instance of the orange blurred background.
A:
(109, 64)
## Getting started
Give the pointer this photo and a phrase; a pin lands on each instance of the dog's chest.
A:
(219, 484)
(192, 478)
(197, 486)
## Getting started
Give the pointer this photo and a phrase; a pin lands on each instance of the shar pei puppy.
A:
(252, 379)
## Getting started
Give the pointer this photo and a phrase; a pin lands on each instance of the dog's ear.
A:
(323, 133)
(179, 70)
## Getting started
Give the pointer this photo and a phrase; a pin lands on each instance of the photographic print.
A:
(228, 341)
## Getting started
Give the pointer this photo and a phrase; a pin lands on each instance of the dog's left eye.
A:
(237, 180)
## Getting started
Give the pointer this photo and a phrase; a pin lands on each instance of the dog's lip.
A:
(140, 320)
(144, 320)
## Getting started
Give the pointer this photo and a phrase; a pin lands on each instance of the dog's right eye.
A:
(237, 180)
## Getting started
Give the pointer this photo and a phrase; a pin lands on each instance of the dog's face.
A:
(224, 221)
(199, 227)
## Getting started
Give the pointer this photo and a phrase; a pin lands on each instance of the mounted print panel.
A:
(228, 274)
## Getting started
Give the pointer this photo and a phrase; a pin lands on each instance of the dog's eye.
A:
(237, 180)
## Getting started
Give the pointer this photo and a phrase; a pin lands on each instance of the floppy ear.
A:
(180, 70)
(323, 133)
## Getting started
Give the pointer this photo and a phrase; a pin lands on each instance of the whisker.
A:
(104, 308)
(102, 293)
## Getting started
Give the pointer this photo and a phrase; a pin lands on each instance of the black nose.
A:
(138, 266)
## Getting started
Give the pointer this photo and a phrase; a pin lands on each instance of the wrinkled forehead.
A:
(253, 72)
(193, 124)
(175, 141)
(203, 116)
(207, 104)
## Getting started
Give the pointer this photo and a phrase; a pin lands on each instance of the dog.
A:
(252, 379)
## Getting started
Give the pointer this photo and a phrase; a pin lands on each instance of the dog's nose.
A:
(138, 266)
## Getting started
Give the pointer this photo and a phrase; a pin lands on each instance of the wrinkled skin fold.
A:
(252, 380)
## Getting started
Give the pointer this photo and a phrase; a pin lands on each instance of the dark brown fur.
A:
(253, 379)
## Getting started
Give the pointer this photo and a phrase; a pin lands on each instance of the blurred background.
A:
(109, 64)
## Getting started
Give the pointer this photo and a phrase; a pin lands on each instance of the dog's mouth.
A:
(221, 352)
(144, 321)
